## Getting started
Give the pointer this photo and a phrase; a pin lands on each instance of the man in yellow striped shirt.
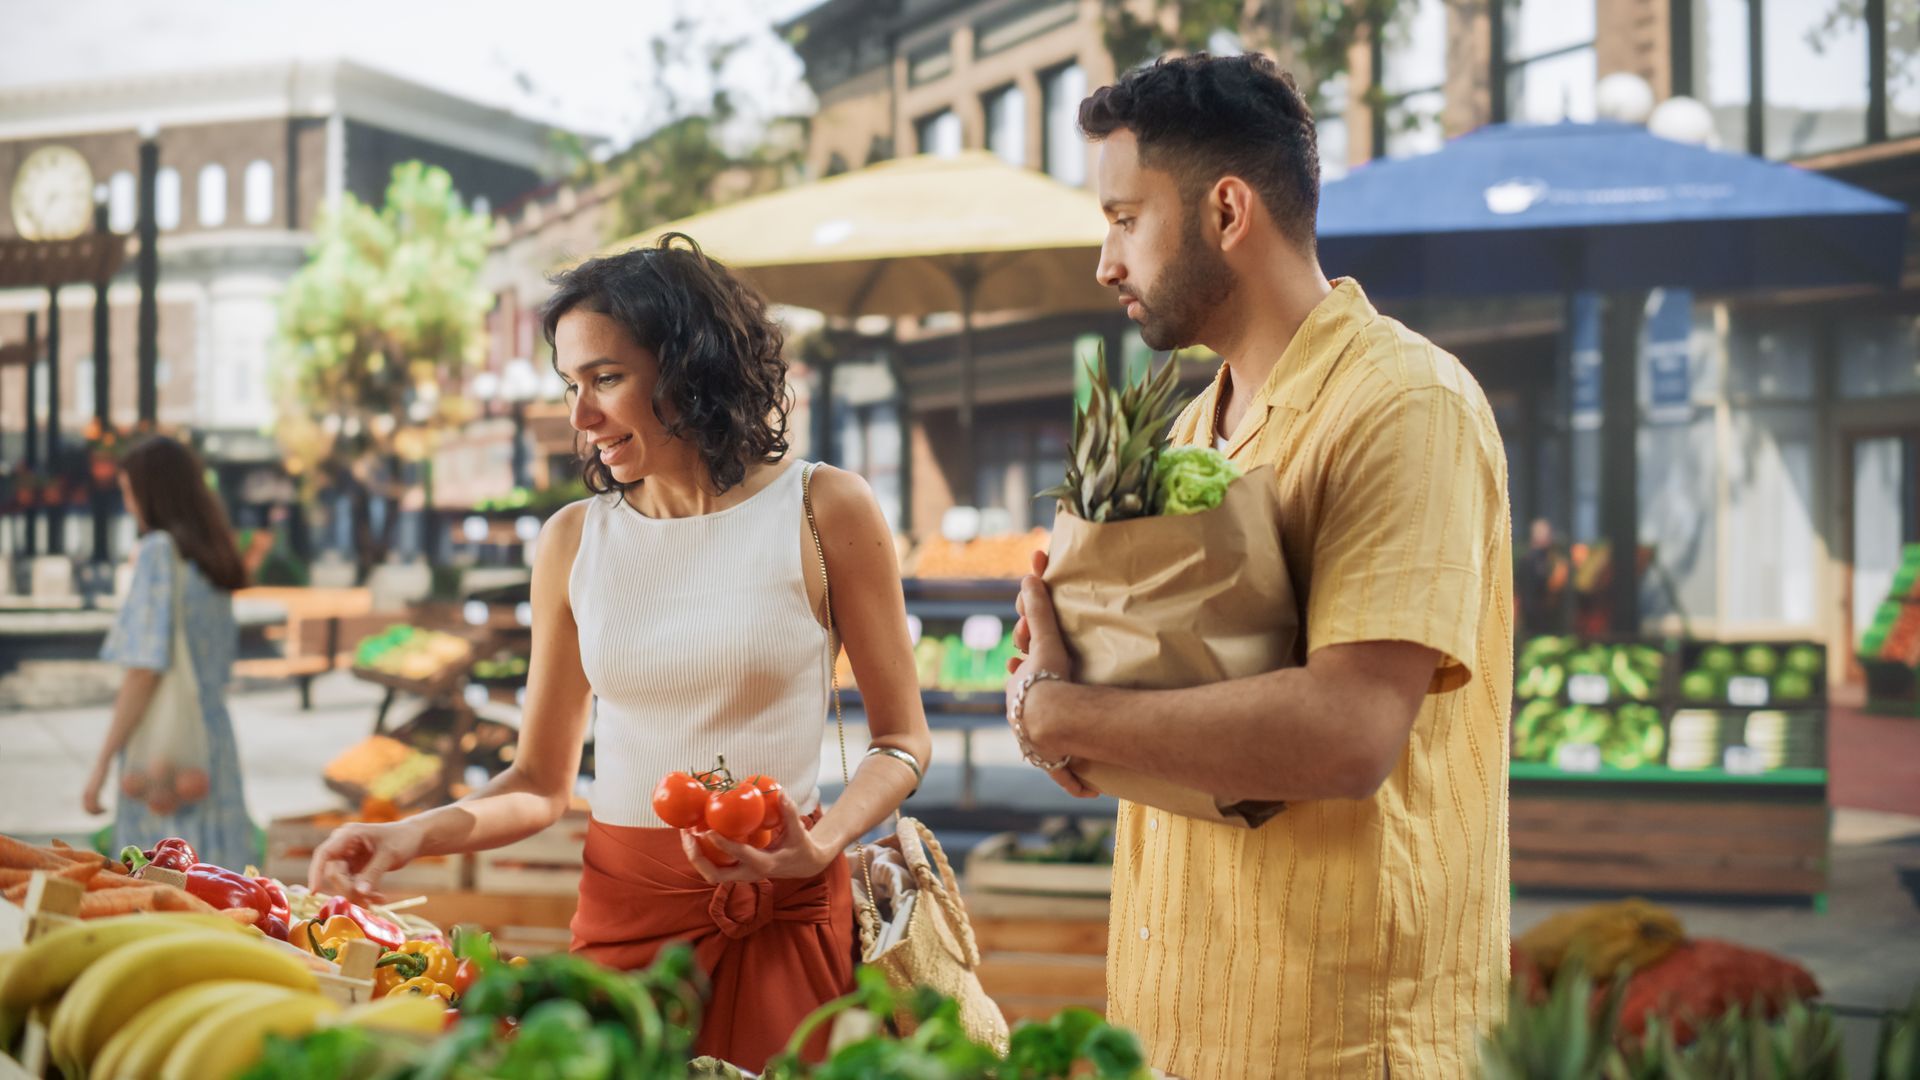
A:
(1363, 932)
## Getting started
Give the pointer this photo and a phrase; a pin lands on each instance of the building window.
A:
(1006, 110)
(83, 387)
(213, 196)
(1903, 76)
(1330, 128)
(940, 133)
(929, 63)
(1815, 68)
(166, 198)
(1413, 74)
(1062, 91)
(123, 202)
(1016, 23)
(1550, 62)
(1722, 73)
(259, 195)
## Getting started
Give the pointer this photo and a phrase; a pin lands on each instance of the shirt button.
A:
(1143, 933)
(1154, 824)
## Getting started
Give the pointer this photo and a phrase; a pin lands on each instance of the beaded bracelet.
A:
(1016, 716)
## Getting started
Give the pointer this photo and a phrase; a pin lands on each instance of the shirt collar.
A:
(1296, 380)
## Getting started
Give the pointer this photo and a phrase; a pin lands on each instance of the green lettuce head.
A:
(1193, 479)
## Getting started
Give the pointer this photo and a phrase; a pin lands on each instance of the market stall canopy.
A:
(1605, 207)
(906, 237)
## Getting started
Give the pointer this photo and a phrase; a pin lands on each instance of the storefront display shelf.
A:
(1660, 774)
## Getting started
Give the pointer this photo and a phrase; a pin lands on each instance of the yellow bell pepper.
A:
(326, 940)
(424, 987)
(413, 960)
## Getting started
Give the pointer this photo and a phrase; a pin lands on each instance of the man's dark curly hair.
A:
(723, 380)
(1203, 117)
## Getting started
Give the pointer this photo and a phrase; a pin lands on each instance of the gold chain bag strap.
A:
(924, 939)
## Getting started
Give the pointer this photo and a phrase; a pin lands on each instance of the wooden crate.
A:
(1035, 966)
(989, 870)
(290, 845)
(53, 902)
(525, 925)
(1725, 846)
(544, 864)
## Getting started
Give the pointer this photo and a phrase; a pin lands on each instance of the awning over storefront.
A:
(1601, 207)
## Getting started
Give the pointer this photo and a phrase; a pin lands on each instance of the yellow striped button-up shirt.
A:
(1349, 938)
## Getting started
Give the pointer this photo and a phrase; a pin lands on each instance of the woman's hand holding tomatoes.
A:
(792, 851)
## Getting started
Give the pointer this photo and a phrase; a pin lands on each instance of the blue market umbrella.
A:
(1605, 207)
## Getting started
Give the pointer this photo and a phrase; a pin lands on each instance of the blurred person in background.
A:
(183, 533)
(1540, 582)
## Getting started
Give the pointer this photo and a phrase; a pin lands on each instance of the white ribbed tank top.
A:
(696, 636)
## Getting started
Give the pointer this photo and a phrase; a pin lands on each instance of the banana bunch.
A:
(1606, 939)
(159, 995)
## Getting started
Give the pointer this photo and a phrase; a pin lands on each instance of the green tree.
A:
(387, 310)
(1310, 38)
(693, 159)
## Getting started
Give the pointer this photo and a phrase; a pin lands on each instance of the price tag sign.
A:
(914, 629)
(1743, 761)
(520, 697)
(982, 632)
(474, 529)
(527, 528)
(1588, 689)
(523, 613)
(1747, 691)
(475, 612)
(475, 694)
(1581, 757)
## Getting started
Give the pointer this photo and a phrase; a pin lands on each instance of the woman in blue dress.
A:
(183, 530)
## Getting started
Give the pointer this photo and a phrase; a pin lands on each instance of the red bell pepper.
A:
(224, 889)
(276, 901)
(172, 853)
(381, 932)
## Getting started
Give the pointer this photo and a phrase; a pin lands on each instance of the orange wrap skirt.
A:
(775, 950)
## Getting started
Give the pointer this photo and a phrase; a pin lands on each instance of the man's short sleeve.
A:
(1401, 549)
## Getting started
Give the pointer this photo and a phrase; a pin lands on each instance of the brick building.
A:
(248, 158)
(1776, 491)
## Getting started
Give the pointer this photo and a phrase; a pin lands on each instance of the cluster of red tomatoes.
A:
(744, 811)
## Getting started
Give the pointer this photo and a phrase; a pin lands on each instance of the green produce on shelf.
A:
(1805, 660)
(1703, 685)
(1629, 737)
(1720, 660)
(1792, 685)
(1761, 660)
(504, 665)
(1546, 664)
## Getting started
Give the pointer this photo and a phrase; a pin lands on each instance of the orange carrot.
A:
(16, 855)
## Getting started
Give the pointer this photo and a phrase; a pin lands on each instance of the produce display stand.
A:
(1727, 797)
(942, 608)
(1890, 648)
(54, 902)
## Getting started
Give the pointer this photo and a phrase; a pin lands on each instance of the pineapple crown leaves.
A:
(1117, 438)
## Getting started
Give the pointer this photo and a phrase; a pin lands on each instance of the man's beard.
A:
(1196, 282)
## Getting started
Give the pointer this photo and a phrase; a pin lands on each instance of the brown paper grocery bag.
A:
(1163, 603)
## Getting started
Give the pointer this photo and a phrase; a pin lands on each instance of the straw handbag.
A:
(906, 901)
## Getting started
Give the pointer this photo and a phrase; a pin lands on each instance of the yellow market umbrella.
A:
(966, 232)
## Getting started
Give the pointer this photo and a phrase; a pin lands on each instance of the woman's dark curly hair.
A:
(723, 380)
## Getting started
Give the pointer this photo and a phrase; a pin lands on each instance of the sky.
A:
(583, 64)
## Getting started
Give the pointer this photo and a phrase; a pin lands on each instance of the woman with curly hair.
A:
(690, 597)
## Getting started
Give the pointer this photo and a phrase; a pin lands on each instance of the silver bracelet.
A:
(902, 757)
(1016, 717)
